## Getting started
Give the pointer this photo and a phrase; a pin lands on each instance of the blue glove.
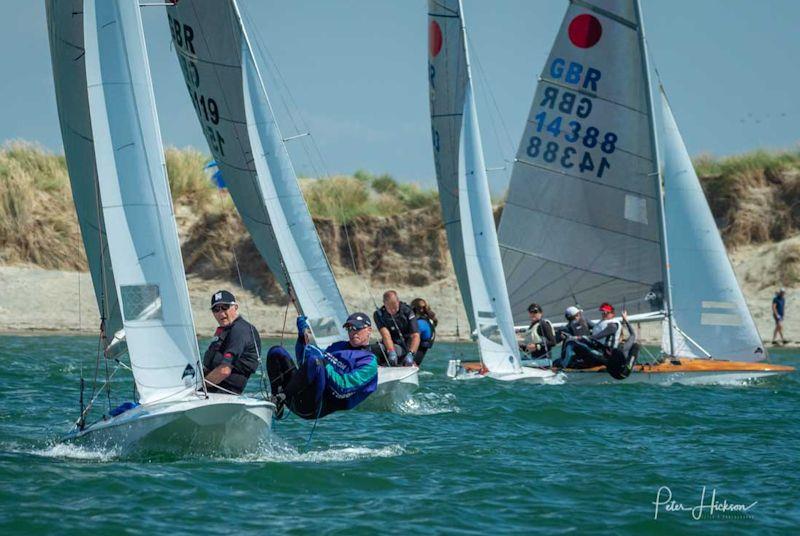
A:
(408, 360)
(391, 355)
(302, 325)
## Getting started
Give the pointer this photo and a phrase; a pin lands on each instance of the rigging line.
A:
(246, 309)
(301, 124)
(94, 398)
(246, 40)
(237, 24)
(338, 199)
(485, 82)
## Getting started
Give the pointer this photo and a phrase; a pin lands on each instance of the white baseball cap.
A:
(571, 311)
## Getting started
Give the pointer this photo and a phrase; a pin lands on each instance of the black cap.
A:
(358, 321)
(222, 296)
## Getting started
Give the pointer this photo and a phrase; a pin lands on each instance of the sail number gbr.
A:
(573, 133)
(205, 105)
(550, 152)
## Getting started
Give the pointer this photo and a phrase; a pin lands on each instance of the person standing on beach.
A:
(778, 308)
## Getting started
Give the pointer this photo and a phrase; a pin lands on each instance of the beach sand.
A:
(37, 300)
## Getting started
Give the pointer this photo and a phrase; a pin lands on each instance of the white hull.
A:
(526, 374)
(395, 386)
(218, 423)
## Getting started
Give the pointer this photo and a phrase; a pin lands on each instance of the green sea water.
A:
(459, 458)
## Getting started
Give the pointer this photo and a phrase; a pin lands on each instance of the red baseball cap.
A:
(606, 308)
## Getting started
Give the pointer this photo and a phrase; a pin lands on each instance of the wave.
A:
(277, 451)
(74, 452)
(428, 404)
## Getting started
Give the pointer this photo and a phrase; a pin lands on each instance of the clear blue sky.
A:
(357, 71)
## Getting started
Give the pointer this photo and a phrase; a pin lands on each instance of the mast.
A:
(661, 212)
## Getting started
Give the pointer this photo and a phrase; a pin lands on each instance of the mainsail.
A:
(582, 220)
(136, 203)
(229, 96)
(65, 29)
(464, 190)
(709, 311)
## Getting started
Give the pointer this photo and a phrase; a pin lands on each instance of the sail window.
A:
(491, 332)
(636, 209)
(141, 302)
(324, 327)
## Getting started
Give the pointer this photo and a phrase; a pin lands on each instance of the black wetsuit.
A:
(237, 345)
(401, 326)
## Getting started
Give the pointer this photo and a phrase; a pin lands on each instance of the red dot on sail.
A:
(434, 38)
(585, 31)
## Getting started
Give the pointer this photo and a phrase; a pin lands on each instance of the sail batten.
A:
(136, 203)
(65, 31)
(232, 105)
(583, 224)
(464, 191)
(709, 309)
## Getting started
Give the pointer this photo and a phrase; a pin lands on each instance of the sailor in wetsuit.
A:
(338, 378)
(539, 337)
(582, 350)
(234, 351)
(397, 325)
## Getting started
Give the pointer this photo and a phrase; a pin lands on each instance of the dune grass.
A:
(769, 162)
(37, 220)
(38, 223)
(753, 195)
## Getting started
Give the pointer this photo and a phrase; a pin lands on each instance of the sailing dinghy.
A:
(230, 98)
(118, 175)
(587, 220)
(465, 201)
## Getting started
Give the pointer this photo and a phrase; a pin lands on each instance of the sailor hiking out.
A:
(588, 344)
(324, 381)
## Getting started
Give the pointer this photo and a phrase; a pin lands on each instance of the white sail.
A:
(582, 220)
(65, 28)
(136, 203)
(233, 108)
(447, 73)
(453, 109)
(707, 303)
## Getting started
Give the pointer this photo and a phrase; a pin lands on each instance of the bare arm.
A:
(413, 346)
(388, 343)
(219, 374)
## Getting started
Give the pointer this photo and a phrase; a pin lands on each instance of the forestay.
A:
(582, 221)
(65, 28)
(234, 111)
(136, 204)
(707, 303)
(464, 189)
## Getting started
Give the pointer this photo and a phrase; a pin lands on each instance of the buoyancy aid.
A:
(612, 340)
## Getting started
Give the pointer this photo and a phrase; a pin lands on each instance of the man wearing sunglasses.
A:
(233, 354)
(321, 382)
